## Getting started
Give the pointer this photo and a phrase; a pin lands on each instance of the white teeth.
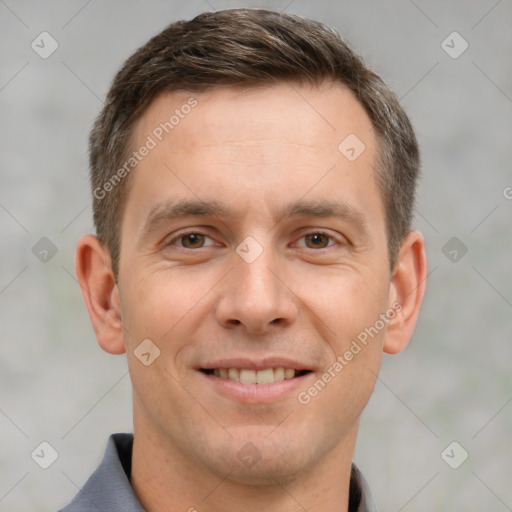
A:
(234, 374)
(289, 373)
(248, 376)
(278, 374)
(265, 376)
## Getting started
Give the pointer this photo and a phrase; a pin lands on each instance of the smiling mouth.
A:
(249, 376)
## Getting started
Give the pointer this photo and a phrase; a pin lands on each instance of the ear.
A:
(101, 294)
(406, 292)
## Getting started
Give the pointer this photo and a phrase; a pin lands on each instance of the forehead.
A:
(320, 115)
(247, 143)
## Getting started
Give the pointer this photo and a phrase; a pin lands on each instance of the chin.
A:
(267, 471)
(263, 462)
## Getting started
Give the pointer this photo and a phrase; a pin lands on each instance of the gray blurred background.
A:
(452, 384)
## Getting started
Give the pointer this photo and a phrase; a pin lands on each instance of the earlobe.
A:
(406, 292)
(99, 289)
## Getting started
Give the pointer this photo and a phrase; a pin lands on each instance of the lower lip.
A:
(256, 393)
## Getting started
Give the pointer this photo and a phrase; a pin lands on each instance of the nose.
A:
(255, 297)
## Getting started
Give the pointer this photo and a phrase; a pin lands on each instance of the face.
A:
(253, 249)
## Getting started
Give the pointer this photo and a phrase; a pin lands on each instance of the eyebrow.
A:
(164, 212)
(340, 210)
(323, 209)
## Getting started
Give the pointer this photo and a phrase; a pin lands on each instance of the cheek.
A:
(343, 302)
(158, 304)
(345, 308)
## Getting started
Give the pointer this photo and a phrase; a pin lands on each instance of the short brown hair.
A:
(249, 48)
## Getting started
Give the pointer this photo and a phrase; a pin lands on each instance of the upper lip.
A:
(252, 363)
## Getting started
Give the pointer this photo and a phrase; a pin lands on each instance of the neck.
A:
(164, 478)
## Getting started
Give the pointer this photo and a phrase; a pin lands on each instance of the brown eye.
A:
(317, 240)
(192, 240)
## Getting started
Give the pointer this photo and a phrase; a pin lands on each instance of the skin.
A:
(257, 152)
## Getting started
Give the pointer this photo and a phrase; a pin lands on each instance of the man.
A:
(253, 188)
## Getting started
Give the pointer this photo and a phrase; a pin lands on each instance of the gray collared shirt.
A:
(109, 490)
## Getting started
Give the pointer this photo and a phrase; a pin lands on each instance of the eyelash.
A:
(183, 235)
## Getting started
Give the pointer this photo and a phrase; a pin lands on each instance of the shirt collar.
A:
(109, 486)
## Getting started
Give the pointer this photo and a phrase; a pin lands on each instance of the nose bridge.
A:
(255, 296)
(257, 280)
